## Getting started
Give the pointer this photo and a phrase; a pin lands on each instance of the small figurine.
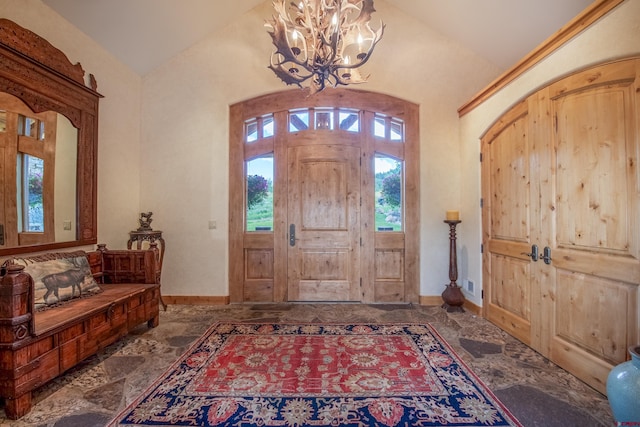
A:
(145, 221)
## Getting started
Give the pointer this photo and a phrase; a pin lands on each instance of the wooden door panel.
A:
(506, 188)
(592, 186)
(323, 264)
(389, 268)
(323, 195)
(510, 183)
(510, 285)
(594, 314)
(320, 291)
(580, 197)
(258, 274)
(324, 201)
(510, 302)
(594, 227)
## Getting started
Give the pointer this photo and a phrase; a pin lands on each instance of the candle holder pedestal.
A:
(452, 295)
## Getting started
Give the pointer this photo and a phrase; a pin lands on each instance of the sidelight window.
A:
(388, 193)
(259, 194)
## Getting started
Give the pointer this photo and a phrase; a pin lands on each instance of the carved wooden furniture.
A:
(150, 236)
(154, 237)
(36, 347)
(40, 75)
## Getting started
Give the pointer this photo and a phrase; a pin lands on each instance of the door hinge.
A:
(482, 294)
(361, 283)
(481, 248)
(361, 245)
(480, 157)
(482, 202)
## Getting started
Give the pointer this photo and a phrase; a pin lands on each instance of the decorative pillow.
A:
(59, 279)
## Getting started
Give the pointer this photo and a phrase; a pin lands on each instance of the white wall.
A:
(616, 35)
(184, 174)
(119, 116)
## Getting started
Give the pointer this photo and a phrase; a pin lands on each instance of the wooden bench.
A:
(37, 346)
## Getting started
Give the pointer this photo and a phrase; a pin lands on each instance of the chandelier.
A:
(322, 42)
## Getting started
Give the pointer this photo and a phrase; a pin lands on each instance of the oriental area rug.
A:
(240, 374)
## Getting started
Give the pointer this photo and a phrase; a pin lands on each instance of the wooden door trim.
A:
(578, 24)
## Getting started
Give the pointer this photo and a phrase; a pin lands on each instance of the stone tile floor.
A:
(536, 391)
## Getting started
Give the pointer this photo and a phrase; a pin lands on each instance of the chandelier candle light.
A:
(322, 42)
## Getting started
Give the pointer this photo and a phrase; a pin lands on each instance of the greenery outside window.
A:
(30, 194)
(388, 193)
(259, 194)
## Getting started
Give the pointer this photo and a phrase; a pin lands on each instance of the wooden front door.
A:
(324, 223)
(331, 230)
(572, 187)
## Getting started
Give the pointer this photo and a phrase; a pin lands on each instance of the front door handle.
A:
(292, 235)
(546, 255)
(533, 254)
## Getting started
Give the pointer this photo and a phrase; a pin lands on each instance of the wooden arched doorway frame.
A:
(388, 262)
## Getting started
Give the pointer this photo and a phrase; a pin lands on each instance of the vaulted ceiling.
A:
(145, 33)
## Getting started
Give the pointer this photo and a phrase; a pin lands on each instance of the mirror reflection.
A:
(38, 164)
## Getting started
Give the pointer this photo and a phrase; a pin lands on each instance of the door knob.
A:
(546, 255)
(533, 254)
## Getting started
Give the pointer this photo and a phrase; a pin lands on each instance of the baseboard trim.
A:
(195, 300)
(437, 300)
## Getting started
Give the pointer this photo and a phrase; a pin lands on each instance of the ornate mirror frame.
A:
(34, 71)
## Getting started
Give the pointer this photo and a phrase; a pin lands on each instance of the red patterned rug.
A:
(240, 374)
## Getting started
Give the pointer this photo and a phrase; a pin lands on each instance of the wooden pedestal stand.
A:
(452, 295)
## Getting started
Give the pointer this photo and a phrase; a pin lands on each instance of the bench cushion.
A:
(59, 277)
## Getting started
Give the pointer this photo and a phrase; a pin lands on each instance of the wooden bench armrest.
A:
(128, 265)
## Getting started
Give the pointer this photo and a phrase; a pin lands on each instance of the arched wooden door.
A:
(561, 219)
(325, 241)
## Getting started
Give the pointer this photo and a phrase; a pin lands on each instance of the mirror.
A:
(39, 156)
(48, 146)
